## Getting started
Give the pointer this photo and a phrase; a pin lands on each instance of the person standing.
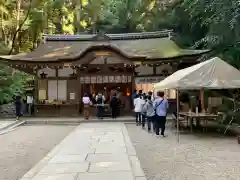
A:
(18, 105)
(140, 93)
(86, 106)
(119, 98)
(138, 104)
(150, 93)
(144, 111)
(100, 99)
(161, 106)
(114, 103)
(134, 94)
(29, 103)
(150, 113)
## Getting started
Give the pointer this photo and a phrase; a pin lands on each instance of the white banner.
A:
(149, 80)
(105, 79)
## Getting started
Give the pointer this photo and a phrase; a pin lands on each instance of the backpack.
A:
(114, 101)
(144, 108)
(100, 99)
(147, 105)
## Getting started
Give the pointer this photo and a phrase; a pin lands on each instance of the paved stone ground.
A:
(93, 151)
(4, 124)
(196, 157)
(22, 148)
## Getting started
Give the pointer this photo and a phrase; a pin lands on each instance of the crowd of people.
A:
(152, 110)
(99, 101)
(149, 110)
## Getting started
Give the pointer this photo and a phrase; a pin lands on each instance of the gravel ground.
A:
(198, 156)
(24, 147)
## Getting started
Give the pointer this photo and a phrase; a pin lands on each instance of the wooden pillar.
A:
(154, 69)
(78, 90)
(56, 70)
(202, 99)
(36, 95)
(133, 79)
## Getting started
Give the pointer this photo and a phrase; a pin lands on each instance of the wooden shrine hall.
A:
(67, 66)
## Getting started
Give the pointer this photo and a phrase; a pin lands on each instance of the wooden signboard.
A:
(102, 53)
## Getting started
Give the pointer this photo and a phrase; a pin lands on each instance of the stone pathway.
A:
(95, 151)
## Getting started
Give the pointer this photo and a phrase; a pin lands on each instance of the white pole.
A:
(178, 134)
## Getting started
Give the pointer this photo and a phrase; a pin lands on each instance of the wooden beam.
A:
(202, 100)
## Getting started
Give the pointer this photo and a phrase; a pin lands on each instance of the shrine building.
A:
(67, 66)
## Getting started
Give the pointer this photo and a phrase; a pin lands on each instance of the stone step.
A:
(11, 126)
(75, 121)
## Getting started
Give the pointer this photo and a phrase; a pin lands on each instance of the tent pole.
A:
(177, 96)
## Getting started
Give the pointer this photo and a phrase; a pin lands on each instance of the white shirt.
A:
(103, 99)
(138, 104)
(86, 100)
(29, 99)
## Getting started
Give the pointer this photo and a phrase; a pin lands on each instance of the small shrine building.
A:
(67, 66)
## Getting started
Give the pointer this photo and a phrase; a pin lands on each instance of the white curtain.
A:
(52, 90)
(62, 90)
(57, 90)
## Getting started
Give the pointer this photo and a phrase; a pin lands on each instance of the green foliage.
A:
(10, 83)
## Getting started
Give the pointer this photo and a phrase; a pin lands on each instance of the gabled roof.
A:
(145, 46)
(122, 36)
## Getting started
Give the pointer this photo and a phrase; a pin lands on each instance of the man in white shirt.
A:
(29, 103)
(138, 105)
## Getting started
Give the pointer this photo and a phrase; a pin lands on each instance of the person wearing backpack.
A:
(144, 111)
(150, 113)
(100, 99)
(161, 106)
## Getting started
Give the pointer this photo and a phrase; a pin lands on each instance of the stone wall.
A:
(7, 110)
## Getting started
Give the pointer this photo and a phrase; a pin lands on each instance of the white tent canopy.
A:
(211, 74)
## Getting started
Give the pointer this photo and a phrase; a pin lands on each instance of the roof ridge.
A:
(120, 36)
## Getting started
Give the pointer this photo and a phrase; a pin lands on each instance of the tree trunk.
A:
(19, 3)
(19, 28)
(59, 28)
(78, 16)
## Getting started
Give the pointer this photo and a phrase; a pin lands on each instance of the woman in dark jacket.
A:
(114, 103)
(18, 105)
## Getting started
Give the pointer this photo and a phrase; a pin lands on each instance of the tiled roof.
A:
(124, 36)
(148, 47)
